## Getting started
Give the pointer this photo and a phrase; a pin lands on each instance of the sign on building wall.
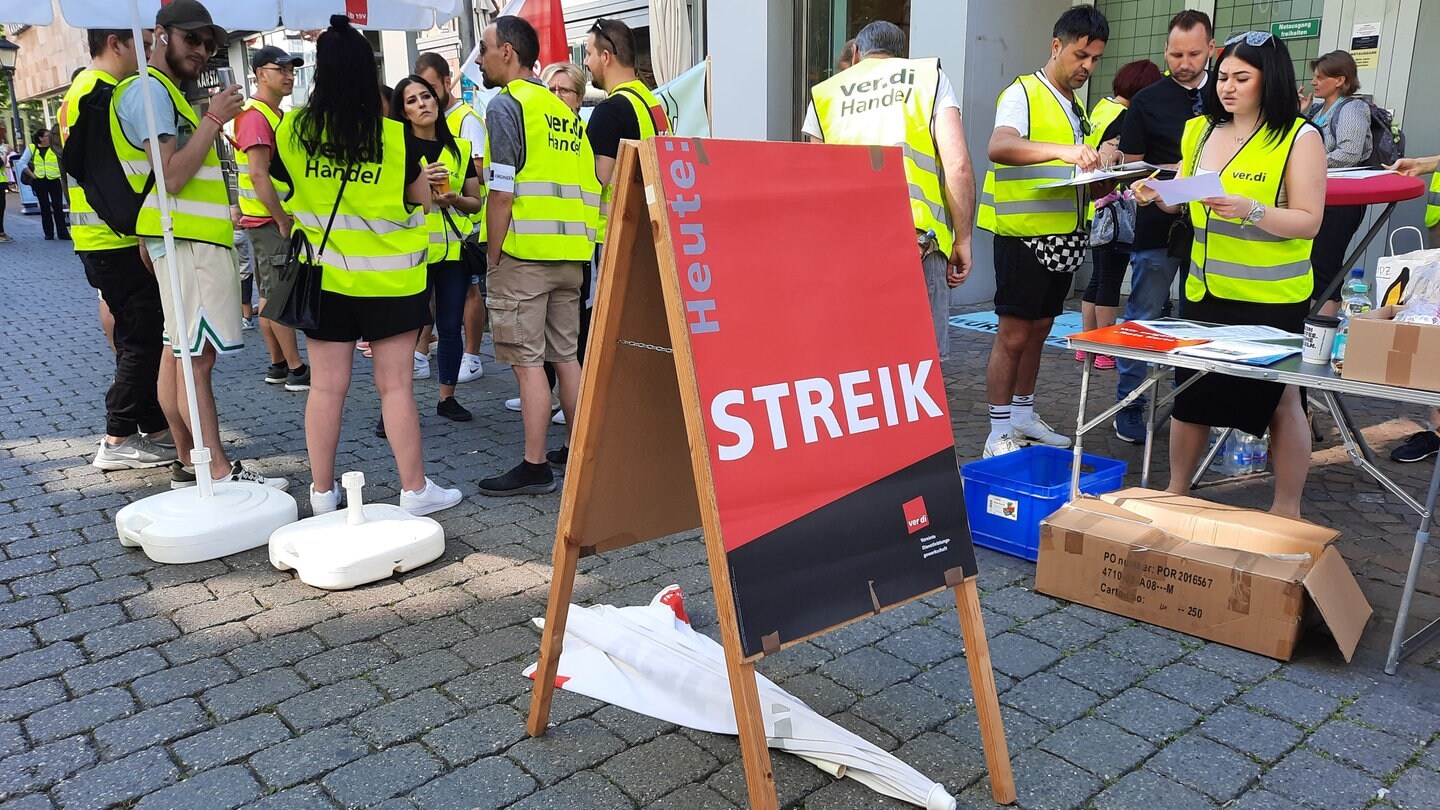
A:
(1365, 45)
(1296, 29)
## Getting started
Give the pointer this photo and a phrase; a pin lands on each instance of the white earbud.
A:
(164, 40)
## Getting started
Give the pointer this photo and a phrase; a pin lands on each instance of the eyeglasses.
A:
(194, 40)
(563, 91)
(1252, 38)
(1085, 127)
(288, 70)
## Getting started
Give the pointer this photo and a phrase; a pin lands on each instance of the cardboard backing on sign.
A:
(1156, 557)
(1381, 350)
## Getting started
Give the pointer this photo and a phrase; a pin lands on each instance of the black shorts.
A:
(1024, 287)
(348, 318)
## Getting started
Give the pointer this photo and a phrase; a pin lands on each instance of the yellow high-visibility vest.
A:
(250, 203)
(1228, 259)
(45, 163)
(1432, 202)
(891, 102)
(652, 120)
(200, 212)
(444, 244)
(378, 244)
(1105, 112)
(453, 120)
(1010, 203)
(86, 228)
(557, 198)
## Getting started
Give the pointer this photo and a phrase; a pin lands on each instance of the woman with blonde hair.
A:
(566, 80)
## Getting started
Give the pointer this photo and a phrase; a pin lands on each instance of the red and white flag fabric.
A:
(548, 17)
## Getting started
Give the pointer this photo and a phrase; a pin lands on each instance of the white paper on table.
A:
(1188, 189)
(1357, 173)
(1239, 351)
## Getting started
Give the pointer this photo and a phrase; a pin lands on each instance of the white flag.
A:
(684, 101)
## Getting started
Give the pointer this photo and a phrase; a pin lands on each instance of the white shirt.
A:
(944, 98)
(471, 130)
(1013, 109)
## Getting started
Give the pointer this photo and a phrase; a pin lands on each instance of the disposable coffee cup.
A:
(1319, 340)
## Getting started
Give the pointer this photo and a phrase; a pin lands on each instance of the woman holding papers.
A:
(1344, 123)
(1250, 259)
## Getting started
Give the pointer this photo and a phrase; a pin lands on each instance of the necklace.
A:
(1246, 137)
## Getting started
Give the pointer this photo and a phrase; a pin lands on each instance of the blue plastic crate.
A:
(1007, 496)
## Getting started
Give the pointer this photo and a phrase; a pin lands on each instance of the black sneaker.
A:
(1417, 447)
(452, 410)
(380, 426)
(524, 479)
(559, 457)
(277, 373)
(296, 379)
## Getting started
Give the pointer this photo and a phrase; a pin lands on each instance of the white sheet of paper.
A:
(1188, 189)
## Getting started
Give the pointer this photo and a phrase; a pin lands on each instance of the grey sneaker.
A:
(181, 476)
(297, 380)
(277, 373)
(135, 453)
(239, 473)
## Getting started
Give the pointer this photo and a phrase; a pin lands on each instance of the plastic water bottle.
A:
(1354, 300)
(1235, 461)
(1262, 454)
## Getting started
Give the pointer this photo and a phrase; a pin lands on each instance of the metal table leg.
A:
(1399, 645)
(1153, 382)
(1359, 455)
(1210, 457)
(1080, 429)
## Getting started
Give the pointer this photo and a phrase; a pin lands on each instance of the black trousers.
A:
(134, 299)
(51, 194)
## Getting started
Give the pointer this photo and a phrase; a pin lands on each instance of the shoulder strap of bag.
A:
(325, 237)
(456, 228)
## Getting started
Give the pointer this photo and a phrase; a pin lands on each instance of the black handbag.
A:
(296, 302)
(472, 256)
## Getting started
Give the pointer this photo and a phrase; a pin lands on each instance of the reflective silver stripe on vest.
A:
(1279, 272)
(215, 173)
(1433, 199)
(192, 208)
(439, 237)
(987, 198)
(1200, 237)
(921, 160)
(1196, 272)
(1065, 206)
(550, 227)
(404, 261)
(350, 222)
(83, 218)
(1005, 173)
(248, 193)
(918, 195)
(1234, 230)
(543, 188)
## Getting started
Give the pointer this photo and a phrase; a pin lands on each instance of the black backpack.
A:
(1387, 141)
(91, 160)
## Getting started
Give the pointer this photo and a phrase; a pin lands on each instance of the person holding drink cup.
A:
(455, 187)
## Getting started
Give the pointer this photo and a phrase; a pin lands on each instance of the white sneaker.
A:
(323, 503)
(512, 404)
(135, 453)
(558, 418)
(471, 368)
(238, 473)
(422, 366)
(430, 499)
(1002, 445)
(1038, 432)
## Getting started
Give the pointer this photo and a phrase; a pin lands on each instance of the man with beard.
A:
(1152, 131)
(204, 258)
(1040, 238)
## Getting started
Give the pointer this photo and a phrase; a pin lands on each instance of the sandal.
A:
(364, 347)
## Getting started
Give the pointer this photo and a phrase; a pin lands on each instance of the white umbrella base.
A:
(182, 527)
(328, 551)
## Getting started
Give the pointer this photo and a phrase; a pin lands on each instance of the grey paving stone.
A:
(922, 646)
(1020, 656)
(381, 776)
(938, 757)
(32, 697)
(1050, 699)
(51, 582)
(951, 681)
(904, 711)
(699, 797)
(1140, 711)
(1237, 665)
(1198, 688)
(79, 715)
(112, 671)
(1298, 704)
(1021, 730)
(1144, 646)
(490, 783)
(16, 640)
(281, 651)
(1320, 782)
(1099, 671)
(225, 788)
(308, 756)
(435, 634)
(1045, 781)
(1395, 716)
(422, 671)
(1256, 735)
(221, 611)
(12, 739)
(33, 801)
(207, 643)
(565, 750)
(290, 618)
(852, 637)
(1339, 679)
(345, 662)
(29, 610)
(1372, 751)
(230, 742)
(305, 797)
(819, 693)
(867, 670)
(1020, 603)
(1416, 788)
(794, 780)
(151, 727)
(406, 718)
(354, 627)
(566, 706)
(185, 680)
(1206, 766)
(44, 765)
(478, 734)
(40, 663)
(76, 623)
(640, 772)
(130, 636)
(25, 566)
(488, 686)
(166, 600)
(1264, 800)
(112, 589)
(1061, 631)
(840, 794)
(581, 790)
(1147, 789)
(1099, 747)
(232, 701)
(791, 661)
(508, 644)
(325, 705)
(111, 783)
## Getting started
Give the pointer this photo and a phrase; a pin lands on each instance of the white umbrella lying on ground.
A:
(650, 660)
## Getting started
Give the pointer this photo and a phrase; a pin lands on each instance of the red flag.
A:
(548, 18)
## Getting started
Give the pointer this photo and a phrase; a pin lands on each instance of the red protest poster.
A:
(823, 404)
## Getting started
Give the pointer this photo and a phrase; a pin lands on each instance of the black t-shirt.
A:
(1153, 127)
(412, 163)
(1113, 130)
(417, 147)
(610, 123)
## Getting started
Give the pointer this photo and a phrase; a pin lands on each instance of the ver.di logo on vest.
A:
(564, 132)
(878, 93)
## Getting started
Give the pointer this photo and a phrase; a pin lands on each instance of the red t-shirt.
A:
(251, 129)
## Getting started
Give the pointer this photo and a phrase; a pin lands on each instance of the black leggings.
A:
(1110, 263)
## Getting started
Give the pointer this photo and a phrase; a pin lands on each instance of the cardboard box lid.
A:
(1343, 606)
(1223, 525)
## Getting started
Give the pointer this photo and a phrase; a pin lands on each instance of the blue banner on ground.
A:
(1067, 323)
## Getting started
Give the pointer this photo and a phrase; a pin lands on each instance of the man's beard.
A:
(181, 67)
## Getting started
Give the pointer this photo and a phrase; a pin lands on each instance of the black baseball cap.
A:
(271, 55)
(189, 15)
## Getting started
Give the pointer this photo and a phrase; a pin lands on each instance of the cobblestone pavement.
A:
(228, 683)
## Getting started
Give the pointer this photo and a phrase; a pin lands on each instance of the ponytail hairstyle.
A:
(342, 120)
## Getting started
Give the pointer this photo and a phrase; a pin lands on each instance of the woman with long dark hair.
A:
(351, 174)
(415, 105)
(1250, 259)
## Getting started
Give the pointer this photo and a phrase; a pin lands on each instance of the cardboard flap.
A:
(1224, 525)
(1342, 605)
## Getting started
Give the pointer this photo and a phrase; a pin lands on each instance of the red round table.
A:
(1389, 189)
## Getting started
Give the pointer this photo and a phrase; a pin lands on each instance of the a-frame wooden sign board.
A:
(763, 364)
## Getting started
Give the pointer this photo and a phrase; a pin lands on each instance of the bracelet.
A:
(213, 117)
(1257, 212)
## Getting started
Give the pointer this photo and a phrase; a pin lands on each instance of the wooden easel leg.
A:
(987, 702)
(552, 639)
(754, 750)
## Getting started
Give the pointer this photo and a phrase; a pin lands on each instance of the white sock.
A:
(1022, 410)
(422, 358)
(469, 357)
(999, 422)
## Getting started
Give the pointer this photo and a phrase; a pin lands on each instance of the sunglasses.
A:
(194, 40)
(598, 29)
(1252, 38)
(1085, 127)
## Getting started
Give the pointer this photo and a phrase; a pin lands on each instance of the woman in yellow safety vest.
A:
(1250, 259)
(351, 175)
(456, 195)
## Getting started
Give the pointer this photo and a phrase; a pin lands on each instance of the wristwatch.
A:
(1257, 212)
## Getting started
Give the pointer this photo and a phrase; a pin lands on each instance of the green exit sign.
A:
(1296, 29)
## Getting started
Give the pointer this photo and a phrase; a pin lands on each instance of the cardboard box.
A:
(1223, 573)
(1382, 351)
